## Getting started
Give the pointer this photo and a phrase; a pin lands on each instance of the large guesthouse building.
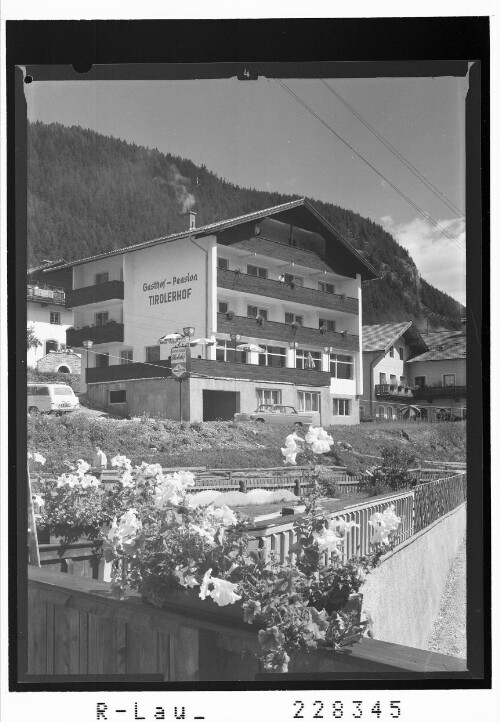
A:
(282, 283)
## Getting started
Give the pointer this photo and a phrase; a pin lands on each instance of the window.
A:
(308, 401)
(448, 379)
(402, 380)
(341, 407)
(118, 397)
(326, 287)
(420, 381)
(254, 311)
(297, 280)
(327, 324)
(381, 412)
(223, 264)
(225, 351)
(101, 318)
(101, 278)
(152, 354)
(294, 318)
(51, 346)
(102, 359)
(393, 380)
(272, 356)
(268, 396)
(223, 306)
(401, 353)
(126, 356)
(55, 318)
(341, 366)
(305, 359)
(389, 413)
(391, 352)
(257, 271)
(383, 378)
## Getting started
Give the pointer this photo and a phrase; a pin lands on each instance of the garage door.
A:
(220, 405)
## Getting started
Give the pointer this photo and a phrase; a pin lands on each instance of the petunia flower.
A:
(329, 541)
(318, 439)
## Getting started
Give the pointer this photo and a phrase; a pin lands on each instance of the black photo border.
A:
(368, 47)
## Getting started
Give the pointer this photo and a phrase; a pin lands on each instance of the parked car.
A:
(278, 414)
(51, 398)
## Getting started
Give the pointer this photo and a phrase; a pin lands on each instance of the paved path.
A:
(449, 633)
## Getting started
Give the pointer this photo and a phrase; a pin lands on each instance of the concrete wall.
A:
(403, 595)
(156, 397)
(57, 359)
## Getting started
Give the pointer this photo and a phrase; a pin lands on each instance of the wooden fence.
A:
(437, 498)
(76, 627)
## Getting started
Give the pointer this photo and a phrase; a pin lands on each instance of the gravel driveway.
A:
(449, 633)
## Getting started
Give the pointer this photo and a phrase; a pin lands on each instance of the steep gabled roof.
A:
(444, 346)
(299, 211)
(381, 337)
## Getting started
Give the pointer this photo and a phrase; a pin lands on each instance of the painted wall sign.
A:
(181, 362)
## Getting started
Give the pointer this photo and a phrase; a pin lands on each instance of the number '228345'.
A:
(355, 709)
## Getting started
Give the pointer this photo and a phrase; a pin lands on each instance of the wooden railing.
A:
(77, 627)
(437, 498)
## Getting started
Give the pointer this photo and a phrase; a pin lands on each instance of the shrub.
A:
(53, 377)
(393, 474)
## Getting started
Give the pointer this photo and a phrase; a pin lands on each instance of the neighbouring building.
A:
(49, 318)
(439, 376)
(387, 350)
(66, 362)
(282, 279)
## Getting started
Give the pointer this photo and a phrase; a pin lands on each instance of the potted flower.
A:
(230, 315)
(322, 328)
(259, 319)
(175, 552)
(295, 326)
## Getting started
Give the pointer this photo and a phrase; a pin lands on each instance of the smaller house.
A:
(439, 376)
(387, 390)
(47, 314)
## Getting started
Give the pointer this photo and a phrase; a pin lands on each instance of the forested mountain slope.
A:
(88, 193)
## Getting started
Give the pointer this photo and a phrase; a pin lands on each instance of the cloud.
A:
(439, 260)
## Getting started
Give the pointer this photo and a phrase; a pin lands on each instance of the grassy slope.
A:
(225, 444)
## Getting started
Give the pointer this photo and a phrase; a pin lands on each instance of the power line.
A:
(439, 194)
(381, 175)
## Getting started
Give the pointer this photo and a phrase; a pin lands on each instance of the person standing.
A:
(100, 461)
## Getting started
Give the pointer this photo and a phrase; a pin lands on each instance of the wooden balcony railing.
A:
(440, 392)
(285, 332)
(46, 295)
(393, 391)
(77, 626)
(244, 283)
(107, 333)
(95, 294)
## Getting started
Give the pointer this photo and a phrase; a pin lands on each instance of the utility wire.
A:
(396, 153)
(394, 187)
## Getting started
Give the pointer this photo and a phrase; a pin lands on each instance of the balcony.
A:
(95, 294)
(46, 295)
(391, 391)
(439, 392)
(242, 282)
(285, 332)
(107, 333)
(124, 372)
(253, 372)
(210, 369)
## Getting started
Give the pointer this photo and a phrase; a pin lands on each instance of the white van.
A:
(56, 398)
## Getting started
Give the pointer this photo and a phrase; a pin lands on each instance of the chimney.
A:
(190, 219)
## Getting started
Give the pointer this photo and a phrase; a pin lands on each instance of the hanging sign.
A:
(181, 362)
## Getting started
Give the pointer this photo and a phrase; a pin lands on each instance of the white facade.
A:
(219, 289)
(49, 322)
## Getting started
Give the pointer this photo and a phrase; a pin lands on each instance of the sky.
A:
(256, 135)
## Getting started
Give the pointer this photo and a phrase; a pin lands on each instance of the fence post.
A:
(243, 483)
(296, 490)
